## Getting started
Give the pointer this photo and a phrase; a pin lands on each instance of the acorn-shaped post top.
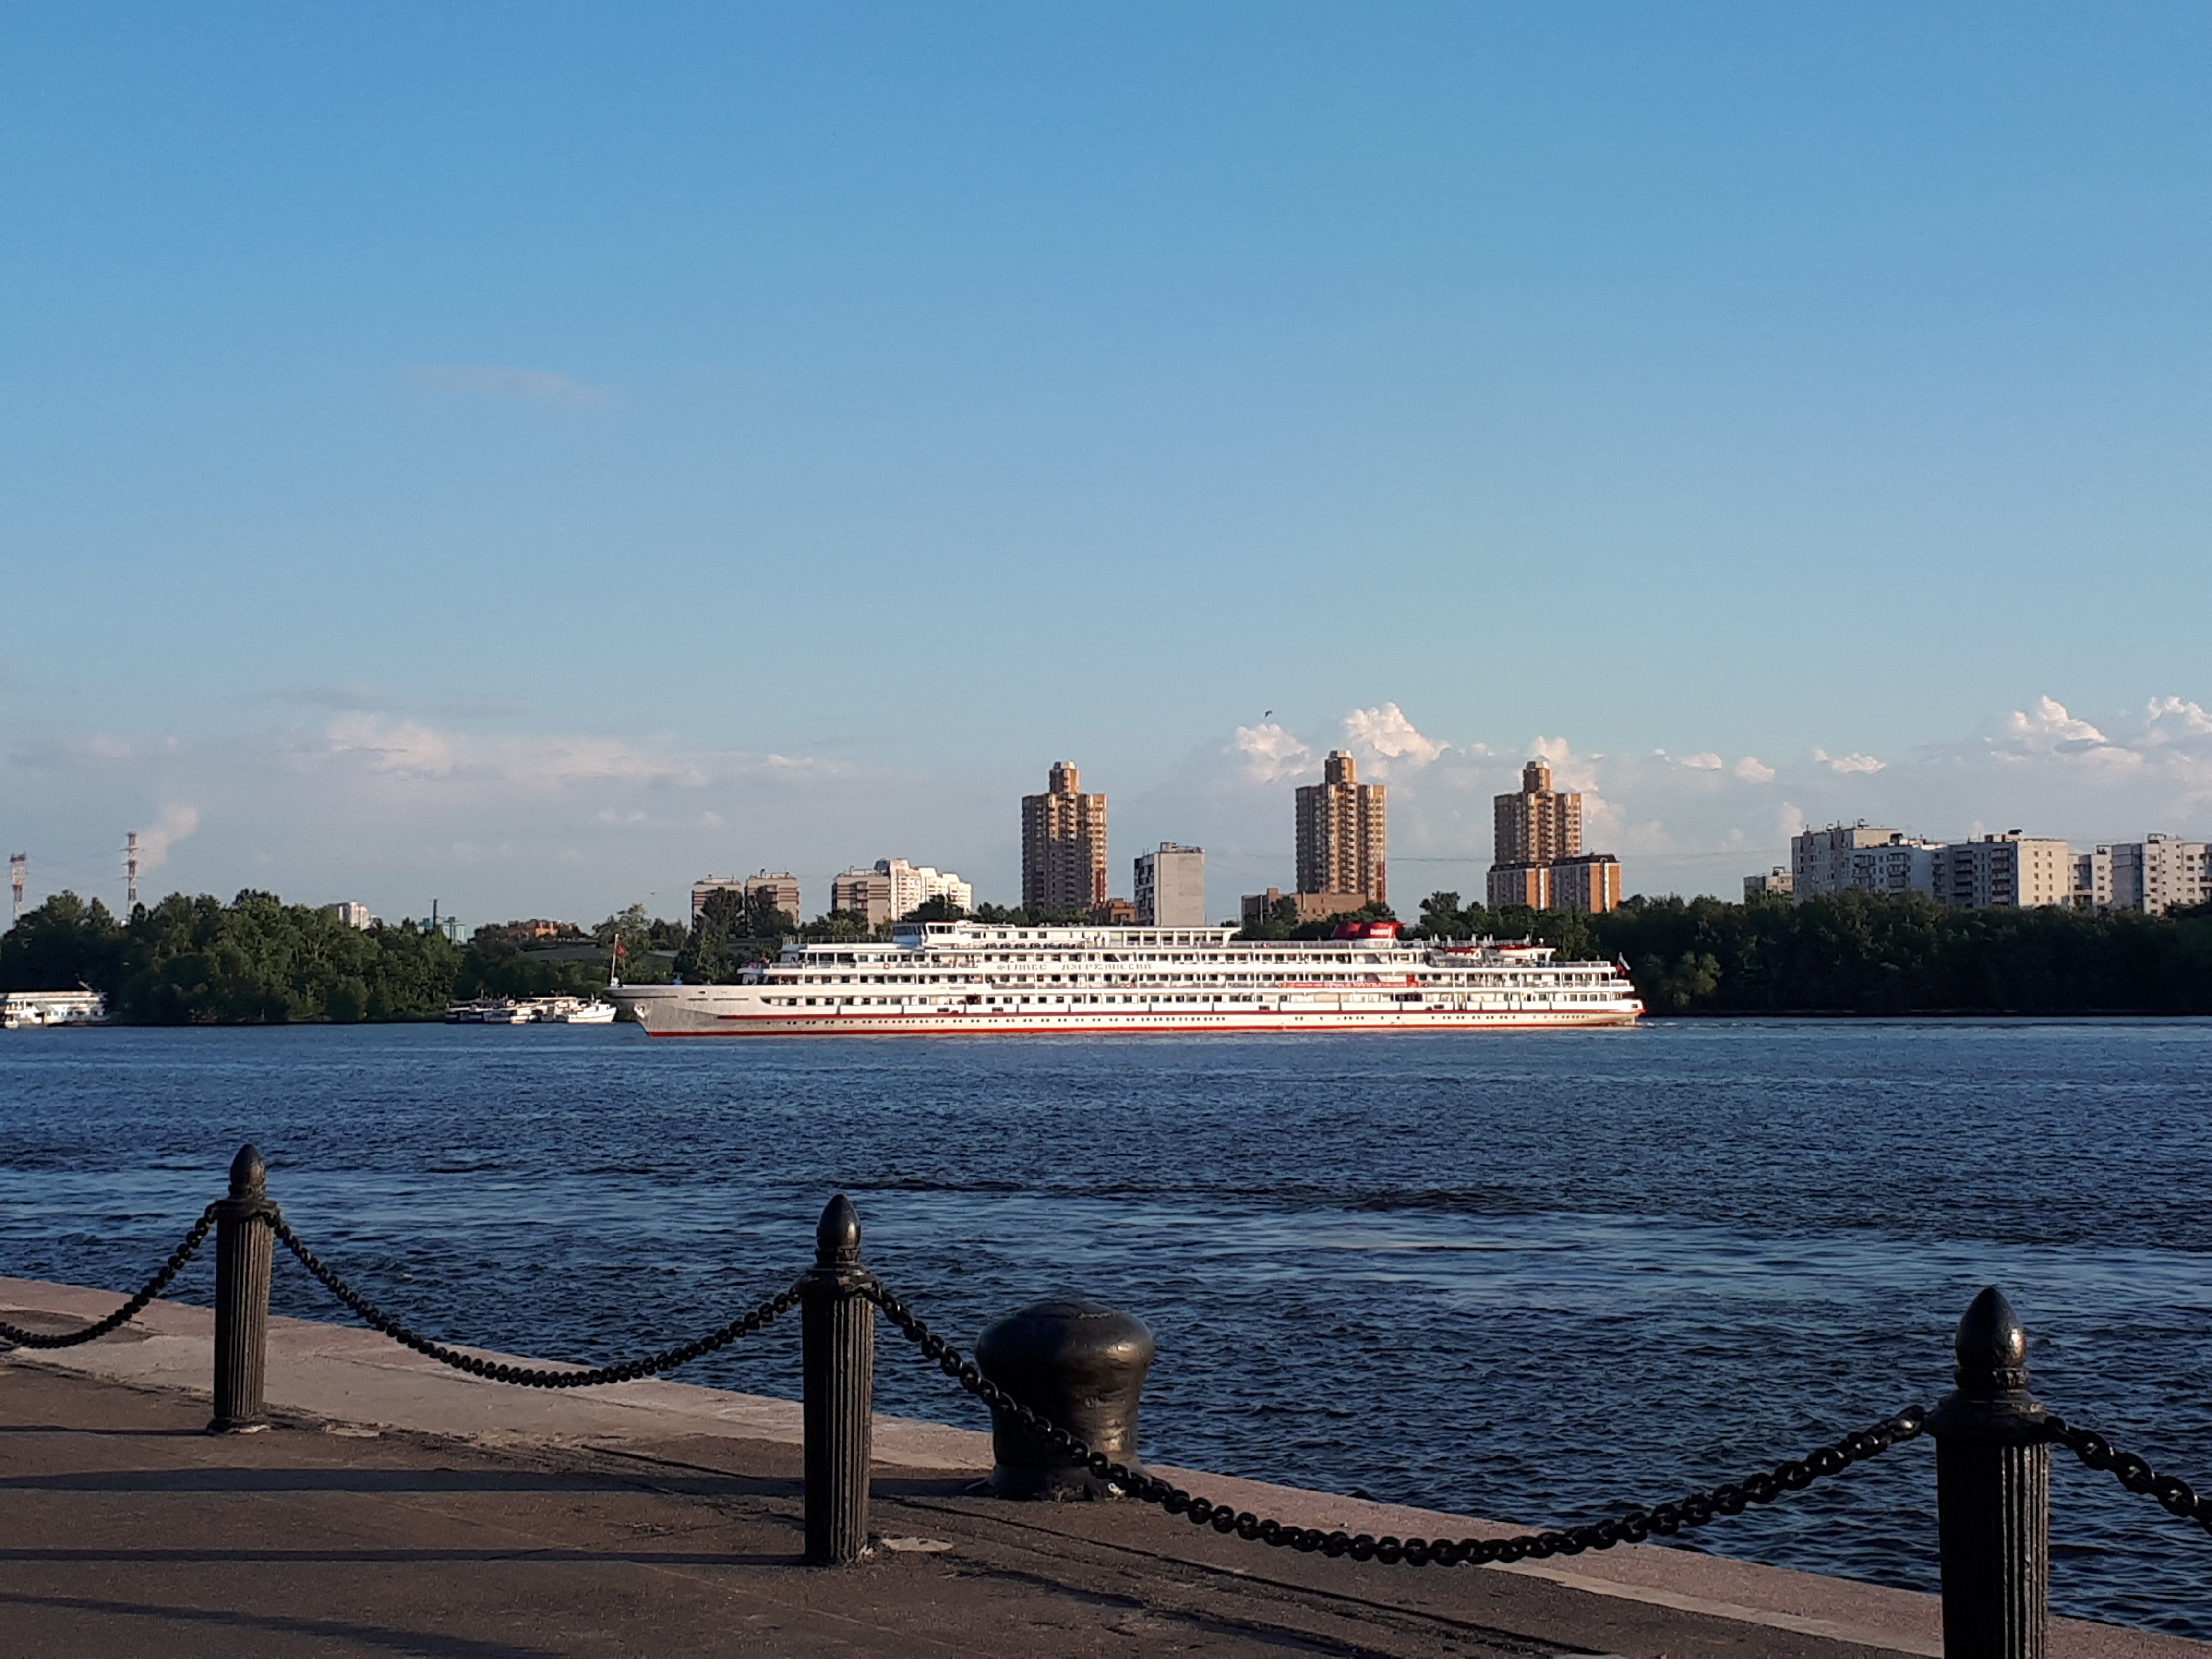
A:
(837, 1235)
(249, 1174)
(1992, 1345)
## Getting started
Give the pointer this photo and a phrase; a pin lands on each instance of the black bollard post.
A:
(838, 1339)
(1993, 1494)
(243, 1246)
(1077, 1366)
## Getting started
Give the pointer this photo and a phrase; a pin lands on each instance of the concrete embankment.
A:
(399, 1507)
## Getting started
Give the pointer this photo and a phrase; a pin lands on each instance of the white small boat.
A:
(589, 1013)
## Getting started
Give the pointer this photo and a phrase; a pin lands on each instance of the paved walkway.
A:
(402, 1509)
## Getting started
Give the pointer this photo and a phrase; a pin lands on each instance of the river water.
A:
(1531, 1276)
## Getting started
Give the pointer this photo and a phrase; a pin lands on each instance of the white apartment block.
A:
(2011, 871)
(1898, 865)
(896, 889)
(1171, 887)
(914, 886)
(354, 915)
(2093, 879)
(1778, 880)
(2159, 873)
(1858, 858)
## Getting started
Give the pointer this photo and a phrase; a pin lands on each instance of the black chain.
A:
(154, 1287)
(526, 1377)
(1633, 1527)
(2176, 1496)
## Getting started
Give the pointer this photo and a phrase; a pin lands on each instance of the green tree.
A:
(64, 943)
(494, 964)
(840, 927)
(733, 929)
(640, 936)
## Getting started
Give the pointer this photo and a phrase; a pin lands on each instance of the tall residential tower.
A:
(1344, 835)
(1063, 845)
(1539, 860)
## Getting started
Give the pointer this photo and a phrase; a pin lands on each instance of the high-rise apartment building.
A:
(1519, 883)
(2004, 871)
(1171, 887)
(1539, 824)
(1900, 865)
(1344, 834)
(863, 891)
(1850, 857)
(1063, 845)
(781, 885)
(1539, 860)
(1588, 882)
(2157, 873)
(2093, 879)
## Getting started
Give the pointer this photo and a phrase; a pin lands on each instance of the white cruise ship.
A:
(967, 976)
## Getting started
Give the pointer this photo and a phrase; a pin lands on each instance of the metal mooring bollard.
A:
(243, 1246)
(1993, 1494)
(838, 1339)
(1076, 1365)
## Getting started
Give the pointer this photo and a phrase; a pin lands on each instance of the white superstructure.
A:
(26, 1010)
(979, 977)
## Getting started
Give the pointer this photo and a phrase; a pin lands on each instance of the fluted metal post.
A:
(243, 1248)
(838, 1342)
(1993, 1494)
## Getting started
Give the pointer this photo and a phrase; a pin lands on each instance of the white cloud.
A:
(1270, 753)
(405, 754)
(1384, 734)
(177, 821)
(1751, 770)
(1569, 770)
(1848, 763)
(2190, 719)
(2048, 727)
(1707, 762)
(490, 380)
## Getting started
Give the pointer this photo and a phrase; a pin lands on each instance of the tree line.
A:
(1871, 953)
(256, 960)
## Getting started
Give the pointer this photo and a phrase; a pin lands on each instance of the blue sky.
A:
(530, 456)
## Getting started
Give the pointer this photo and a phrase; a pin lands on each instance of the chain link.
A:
(2176, 1496)
(1662, 1520)
(154, 1287)
(527, 1376)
